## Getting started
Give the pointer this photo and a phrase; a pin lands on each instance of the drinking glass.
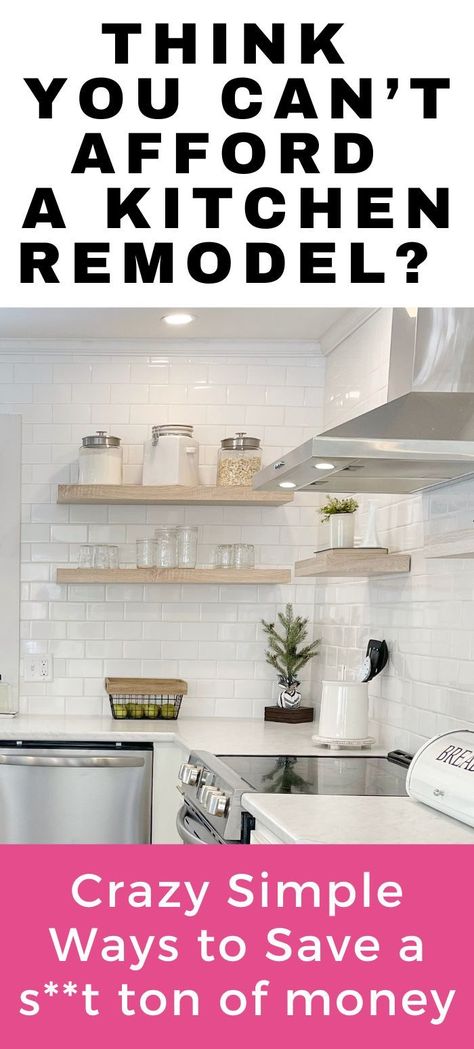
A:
(187, 547)
(166, 552)
(105, 556)
(225, 556)
(146, 553)
(244, 555)
(113, 556)
(86, 557)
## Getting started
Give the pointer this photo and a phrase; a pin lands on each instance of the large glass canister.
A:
(239, 459)
(100, 459)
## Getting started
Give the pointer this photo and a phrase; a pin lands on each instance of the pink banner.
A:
(181, 947)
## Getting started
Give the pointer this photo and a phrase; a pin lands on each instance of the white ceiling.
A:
(279, 324)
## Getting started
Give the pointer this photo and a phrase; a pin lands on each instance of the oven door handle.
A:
(65, 761)
(186, 835)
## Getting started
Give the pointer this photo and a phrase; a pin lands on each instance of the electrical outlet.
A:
(38, 668)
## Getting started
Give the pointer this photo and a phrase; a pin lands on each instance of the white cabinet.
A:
(262, 836)
(166, 798)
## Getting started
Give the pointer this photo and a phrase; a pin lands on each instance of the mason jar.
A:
(239, 459)
(187, 539)
(166, 547)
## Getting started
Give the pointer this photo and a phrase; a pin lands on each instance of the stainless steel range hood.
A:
(422, 436)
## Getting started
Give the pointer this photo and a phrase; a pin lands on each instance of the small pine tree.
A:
(284, 653)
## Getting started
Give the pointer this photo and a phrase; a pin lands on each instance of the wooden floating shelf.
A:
(173, 575)
(169, 495)
(354, 563)
(458, 544)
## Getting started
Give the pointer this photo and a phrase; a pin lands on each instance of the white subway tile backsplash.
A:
(106, 415)
(210, 635)
(54, 393)
(90, 393)
(246, 395)
(68, 371)
(16, 393)
(128, 393)
(88, 630)
(426, 617)
(103, 373)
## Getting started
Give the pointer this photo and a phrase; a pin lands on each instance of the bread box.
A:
(442, 775)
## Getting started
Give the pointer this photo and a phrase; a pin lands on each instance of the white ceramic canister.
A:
(344, 710)
(171, 457)
(100, 459)
(341, 531)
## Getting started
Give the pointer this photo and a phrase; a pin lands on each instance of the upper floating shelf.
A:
(169, 495)
(356, 563)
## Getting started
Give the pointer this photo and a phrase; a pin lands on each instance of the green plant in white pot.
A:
(288, 654)
(340, 514)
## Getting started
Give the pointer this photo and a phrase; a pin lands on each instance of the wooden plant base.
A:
(290, 717)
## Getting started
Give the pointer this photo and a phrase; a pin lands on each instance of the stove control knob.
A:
(189, 774)
(217, 803)
(203, 794)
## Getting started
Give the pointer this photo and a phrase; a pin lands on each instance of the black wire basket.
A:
(145, 699)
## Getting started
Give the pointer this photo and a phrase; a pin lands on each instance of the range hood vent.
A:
(421, 437)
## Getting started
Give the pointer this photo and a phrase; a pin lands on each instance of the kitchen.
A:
(282, 376)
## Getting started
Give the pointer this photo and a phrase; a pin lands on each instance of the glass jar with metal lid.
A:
(100, 459)
(171, 457)
(240, 458)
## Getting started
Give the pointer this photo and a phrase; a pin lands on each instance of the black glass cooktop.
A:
(362, 776)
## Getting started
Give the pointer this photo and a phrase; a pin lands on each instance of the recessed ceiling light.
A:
(287, 484)
(178, 318)
(324, 466)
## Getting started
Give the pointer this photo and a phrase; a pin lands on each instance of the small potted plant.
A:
(288, 654)
(339, 513)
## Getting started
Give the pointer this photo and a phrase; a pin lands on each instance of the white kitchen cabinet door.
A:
(166, 797)
(10, 481)
(262, 836)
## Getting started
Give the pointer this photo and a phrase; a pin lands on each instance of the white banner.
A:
(236, 154)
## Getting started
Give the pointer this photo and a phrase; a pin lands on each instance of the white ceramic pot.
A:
(344, 710)
(341, 530)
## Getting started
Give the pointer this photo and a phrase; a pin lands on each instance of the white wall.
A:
(427, 617)
(357, 371)
(10, 451)
(209, 635)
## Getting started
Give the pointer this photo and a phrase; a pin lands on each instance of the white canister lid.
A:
(171, 430)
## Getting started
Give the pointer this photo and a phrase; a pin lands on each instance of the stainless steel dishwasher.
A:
(75, 793)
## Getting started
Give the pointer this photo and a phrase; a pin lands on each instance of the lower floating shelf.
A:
(457, 544)
(173, 575)
(354, 563)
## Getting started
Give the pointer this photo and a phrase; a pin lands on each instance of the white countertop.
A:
(319, 819)
(295, 818)
(217, 735)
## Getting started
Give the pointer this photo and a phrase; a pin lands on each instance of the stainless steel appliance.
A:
(75, 793)
(212, 787)
(422, 436)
